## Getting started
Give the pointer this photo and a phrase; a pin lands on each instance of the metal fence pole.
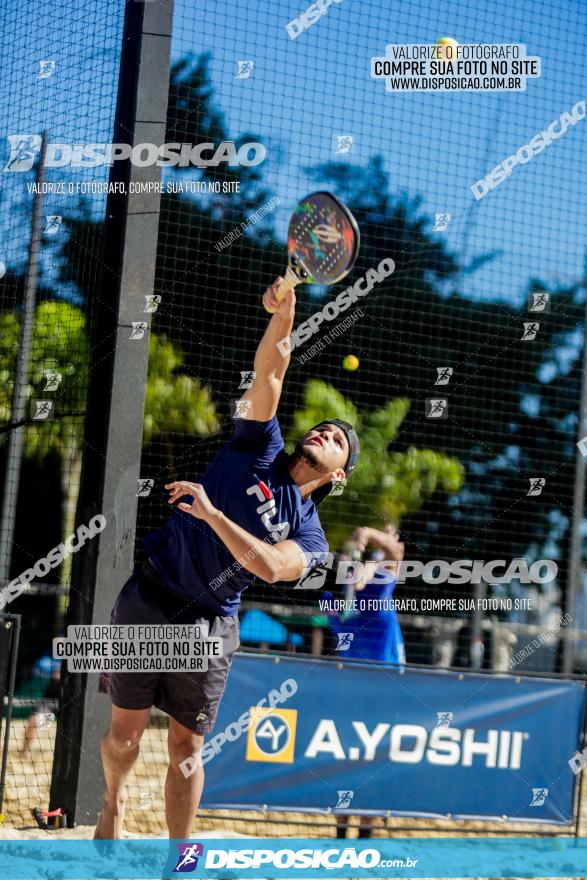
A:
(476, 641)
(576, 544)
(11, 622)
(579, 799)
(115, 406)
(19, 402)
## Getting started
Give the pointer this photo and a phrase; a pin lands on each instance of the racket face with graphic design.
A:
(322, 240)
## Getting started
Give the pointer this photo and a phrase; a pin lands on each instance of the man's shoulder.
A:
(253, 435)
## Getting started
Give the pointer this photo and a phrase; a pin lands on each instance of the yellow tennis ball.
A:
(351, 362)
(446, 49)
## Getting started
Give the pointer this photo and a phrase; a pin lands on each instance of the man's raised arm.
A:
(270, 365)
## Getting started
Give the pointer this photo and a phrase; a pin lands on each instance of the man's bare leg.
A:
(31, 731)
(120, 749)
(182, 794)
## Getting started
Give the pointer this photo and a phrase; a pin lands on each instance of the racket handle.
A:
(289, 282)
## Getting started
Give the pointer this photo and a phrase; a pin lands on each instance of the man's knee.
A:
(185, 753)
(123, 740)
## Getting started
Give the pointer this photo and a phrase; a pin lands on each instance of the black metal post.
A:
(116, 397)
(11, 621)
(575, 570)
(580, 785)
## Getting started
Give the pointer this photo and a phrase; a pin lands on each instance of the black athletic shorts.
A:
(192, 698)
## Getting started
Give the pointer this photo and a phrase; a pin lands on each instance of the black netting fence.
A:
(59, 76)
(462, 370)
(492, 477)
(468, 377)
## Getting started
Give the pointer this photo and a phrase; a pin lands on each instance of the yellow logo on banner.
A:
(272, 735)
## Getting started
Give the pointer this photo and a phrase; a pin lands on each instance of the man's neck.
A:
(305, 475)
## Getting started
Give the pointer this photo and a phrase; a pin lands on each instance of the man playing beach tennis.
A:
(253, 514)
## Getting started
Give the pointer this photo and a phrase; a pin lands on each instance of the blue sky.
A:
(303, 92)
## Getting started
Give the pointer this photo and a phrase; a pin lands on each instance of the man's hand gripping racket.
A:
(322, 245)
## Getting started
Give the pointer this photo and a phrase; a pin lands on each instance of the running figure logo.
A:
(46, 719)
(539, 302)
(46, 69)
(344, 799)
(43, 410)
(146, 800)
(240, 409)
(245, 69)
(444, 375)
(338, 488)
(441, 222)
(138, 329)
(52, 381)
(315, 573)
(247, 378)
(436, 408)
(24, 149)
(145, 486)
(344, 143)
(344, 641)
(53, 223)
(188, 857)
(152, 301)
(531, 329)
(537, 484)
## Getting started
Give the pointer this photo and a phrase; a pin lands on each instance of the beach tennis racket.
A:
(322, 242)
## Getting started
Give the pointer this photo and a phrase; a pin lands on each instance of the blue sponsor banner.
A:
(143, 859)
(356, 738)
